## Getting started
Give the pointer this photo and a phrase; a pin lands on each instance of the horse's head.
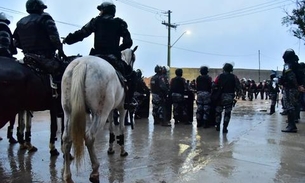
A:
(128, 56)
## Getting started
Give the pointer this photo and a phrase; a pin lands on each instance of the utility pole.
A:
(259, 66)
(169, 25)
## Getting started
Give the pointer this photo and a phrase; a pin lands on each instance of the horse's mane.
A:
(127, 56)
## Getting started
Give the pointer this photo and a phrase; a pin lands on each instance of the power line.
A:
(141, 6)
(238, 13)
(200, 52)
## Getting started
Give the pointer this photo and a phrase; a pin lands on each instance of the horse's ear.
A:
(135, 48)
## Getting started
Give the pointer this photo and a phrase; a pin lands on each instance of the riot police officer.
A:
(273, 92)
(108, 30)
(203, 87)
(177, 88)
(7, 48)
(228, 83)
(37, 32)
(292, 81)
(159, 91)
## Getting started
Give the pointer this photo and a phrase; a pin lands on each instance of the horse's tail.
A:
(78, 111)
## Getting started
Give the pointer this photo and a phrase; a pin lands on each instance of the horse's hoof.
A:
(54, 152)
(12, 140)
(94, 179)
(32, 149)
(124, 154)
(110, 152)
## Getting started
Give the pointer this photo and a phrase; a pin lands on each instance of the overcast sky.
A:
(221, 30)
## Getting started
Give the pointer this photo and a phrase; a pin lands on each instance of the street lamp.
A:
(169, 46)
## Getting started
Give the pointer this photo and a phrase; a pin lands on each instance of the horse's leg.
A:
(28, 126)
(53, 128)
(89, 142)
(111, 133)
(10, 129)
(66, 148)
(62, 120)
(20, 130)
(120, 137)
(131, 115)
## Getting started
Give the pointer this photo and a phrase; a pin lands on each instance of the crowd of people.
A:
(219, 96)
(213, 97)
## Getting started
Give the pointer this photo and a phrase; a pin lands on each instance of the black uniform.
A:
(159, 92)
(228, 83)
(107, 33)
(203, 87)
(7, 47)
(177, 88)
(37, 33)
(292, 78)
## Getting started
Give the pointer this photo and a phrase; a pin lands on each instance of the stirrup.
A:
(53, 87)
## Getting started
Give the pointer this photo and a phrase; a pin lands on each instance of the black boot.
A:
(272, 109)
(10, 137)
(225, 127)
(199, 123)
(291, 128)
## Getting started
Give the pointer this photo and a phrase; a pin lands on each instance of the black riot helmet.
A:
(179, 72)
(108, 8)
(204, 70)
(227, 67)
(158, 69)
(35, 6)
(139, 73)
(4, 19)
(289, 56)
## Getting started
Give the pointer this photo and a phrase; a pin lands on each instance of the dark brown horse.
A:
(22, 89)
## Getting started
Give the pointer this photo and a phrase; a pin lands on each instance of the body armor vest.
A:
(34, 38)
(177, 85)
(227, 82)
(107, 35)
(204, 83)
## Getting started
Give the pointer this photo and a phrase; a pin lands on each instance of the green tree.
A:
(295, 20)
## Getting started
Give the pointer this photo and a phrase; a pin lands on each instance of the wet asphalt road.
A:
(254, 151)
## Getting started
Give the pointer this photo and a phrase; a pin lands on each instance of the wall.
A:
(193, 73)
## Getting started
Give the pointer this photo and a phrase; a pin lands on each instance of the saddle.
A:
(114, 62)
(41, 64)
(44, 67)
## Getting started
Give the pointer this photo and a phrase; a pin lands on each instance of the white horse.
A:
(90, 85)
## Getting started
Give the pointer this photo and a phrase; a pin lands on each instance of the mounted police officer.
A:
(203, 87)
(177, 88)
(7, 48)
(228, 83)
(37, 34)
(108, 30)
(159, 91)
(292, 81)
